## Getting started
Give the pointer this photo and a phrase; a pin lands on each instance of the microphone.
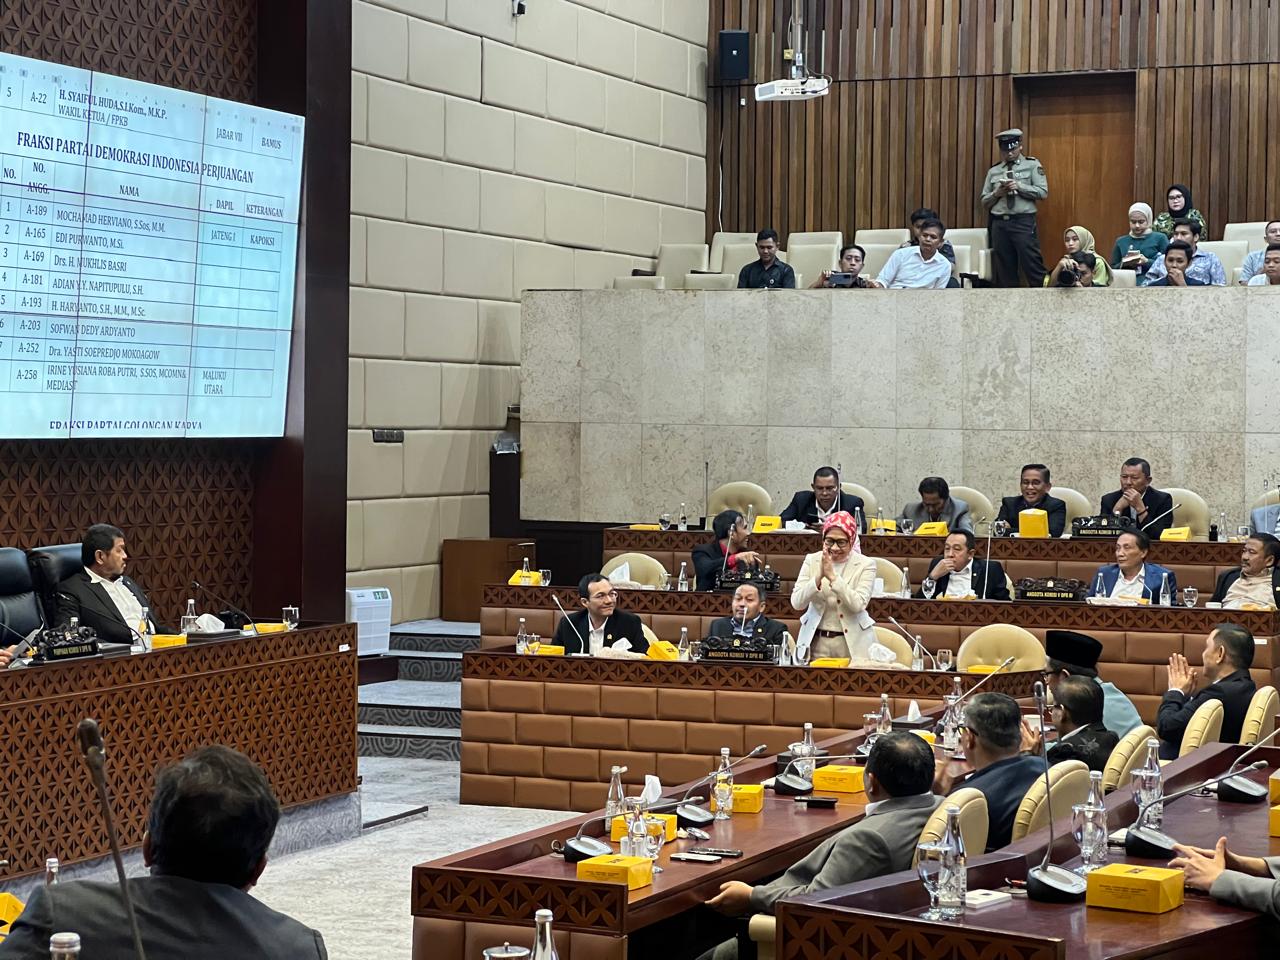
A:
(229, 605)
(916, 645)
(965, 696)
(688, 813)
(1048, 882)
(579, 847)
(986, 577)
(1161, 517)
(95, 756)
(22, 647)
(706, 489)
(585, 648)
(1236, 789)
(793, 785)
(1150, 843)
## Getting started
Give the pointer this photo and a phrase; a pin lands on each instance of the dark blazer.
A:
(78, 596)
(1156, 502)
(176, 917)
(1235, 690)
(1010, 507)
(1004, 784)
(804, 507)
(982, 569)
(1092, 744)
(619, 625)
(1153, 575)
(1231, 576)
(771, 630)
(708, 558)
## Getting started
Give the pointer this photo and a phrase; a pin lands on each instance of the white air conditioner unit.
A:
(370, 611)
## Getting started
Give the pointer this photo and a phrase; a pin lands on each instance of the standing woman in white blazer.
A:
(833, 589)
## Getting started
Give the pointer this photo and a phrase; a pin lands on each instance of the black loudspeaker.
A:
(735, 55)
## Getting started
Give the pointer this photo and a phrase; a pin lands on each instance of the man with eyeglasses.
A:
(600, 626)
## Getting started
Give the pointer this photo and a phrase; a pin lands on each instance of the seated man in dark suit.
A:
(1081, 734)
(1257, 581)
(992, 741)
(1137, 499)
(1228, 655)
(1035, 496)
(898, 780)
(748, 618)
(937, 505)
(1131, 575)
(100, 595)
(211, 821)
(600, 628)
(725, 551)
(958, 573)
(813, 506)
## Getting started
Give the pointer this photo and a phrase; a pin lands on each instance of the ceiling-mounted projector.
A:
(805, 88)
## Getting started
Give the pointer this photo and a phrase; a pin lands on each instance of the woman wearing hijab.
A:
(1178, 198)
(1142, 245)
(833, 588)
(1079, 240)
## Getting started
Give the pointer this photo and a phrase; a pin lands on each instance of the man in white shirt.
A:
(1252, 265)
(1270, 272)
(922, 267)
(101, 596)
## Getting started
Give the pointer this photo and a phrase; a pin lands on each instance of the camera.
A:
(1068, 277)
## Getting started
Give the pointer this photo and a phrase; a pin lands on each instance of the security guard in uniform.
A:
(1010, 193)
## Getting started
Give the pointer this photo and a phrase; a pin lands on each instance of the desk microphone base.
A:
(791, 785)
(1241, 790)
(692, 815)
(1049, 883)
(1148, 843)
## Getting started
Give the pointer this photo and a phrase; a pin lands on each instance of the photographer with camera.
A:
(847, 272)
(1074, 270)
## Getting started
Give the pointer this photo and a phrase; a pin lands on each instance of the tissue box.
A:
(830, 663)
(1033, 523)
(982, 668)
(635, 872)
(1275, 822)
(10, 909)
(929, 736)
(160, 641)
(886, 526)
(1274, 783)
(663, 650)
(1176, 533)
(838, 778)
(935, 528)
(766, 524)
(1124, 886)
(550, 650)
(644, 526)
(747, 798)
(618, 825)
(521, 579)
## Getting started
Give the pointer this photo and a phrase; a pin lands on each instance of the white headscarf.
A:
(1145, 210)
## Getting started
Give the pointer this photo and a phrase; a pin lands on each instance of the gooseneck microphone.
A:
(579, 847)
(1236, 789)
(1048, 882)
(585, 648)
(1153, 844)
(1161, 517)
(688, 813)
(21, 648)
(986, 577)
(228, 604)
(968, 693)
(916, 645)
(95, 755)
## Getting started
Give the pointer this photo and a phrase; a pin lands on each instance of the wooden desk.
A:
(287, 700)
(859, 920)
(545, 731)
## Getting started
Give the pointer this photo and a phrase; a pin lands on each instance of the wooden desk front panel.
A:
(287, 700)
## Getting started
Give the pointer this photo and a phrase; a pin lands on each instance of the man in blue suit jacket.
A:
(1131, 575)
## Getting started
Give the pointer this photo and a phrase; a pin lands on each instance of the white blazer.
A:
(849, 596)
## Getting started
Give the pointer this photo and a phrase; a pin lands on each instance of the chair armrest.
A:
(643, 273)
(763, 928)
(984, 264)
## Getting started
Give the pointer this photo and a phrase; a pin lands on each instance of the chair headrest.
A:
(15, 574)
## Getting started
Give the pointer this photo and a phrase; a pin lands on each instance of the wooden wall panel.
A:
(920, 87)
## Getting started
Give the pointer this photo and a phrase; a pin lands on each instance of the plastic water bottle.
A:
(1099, 586)
(544, 945)
(683, 522)
(723, 793)
(64, 946)
(682, 648)
(857, 520)
(51, 868)
(1151, 778)
(803, 755)
(526, 575)
(613, 800)
(1097, 854)
(144, 628)
(522, 638)
(950, 729)
(880, 520)
(957, 691)
(636, 841)
(953, 878)
(1166, 595)
(682, 582)
(885, 723)
(905, 592)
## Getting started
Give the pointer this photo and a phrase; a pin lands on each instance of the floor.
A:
(356, 893)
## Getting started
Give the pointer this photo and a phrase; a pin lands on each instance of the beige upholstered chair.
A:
(1125, 757)
(979, 244)
(979, 506)
(894, 236)
(974, 822)
(1205, 726)
(895, 642)
(735, 256)
(810, 259)
(677, 259)
(1253, 234)
(822, 238)
(1190, 510)
(1078, 504)
(1230, 252)
(991, 645)
(869, 502)
(1266, 499)
(1126, 279)
(639, 283)
(878, 255)
(1260, 718)
(644, 569)
(715, 259)
(890, 573)
(1068, 785)
(739, 495)
(711, 281)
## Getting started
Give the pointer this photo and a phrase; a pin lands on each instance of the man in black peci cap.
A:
(1076, 654)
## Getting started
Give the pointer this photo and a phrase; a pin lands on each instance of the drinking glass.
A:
(905, 526)
(187, 624)
(1001, 528)
(546, 577)
(870, 728)
(664, 521)
(655, 837)
(289, 616)
(1244, 532)
(930, 858)
(944, 659)
(1189, 596)
(800, 657)
(1089, 827)
(535, 642)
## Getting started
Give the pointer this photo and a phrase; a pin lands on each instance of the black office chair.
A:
(19, 607)
(49, 567)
